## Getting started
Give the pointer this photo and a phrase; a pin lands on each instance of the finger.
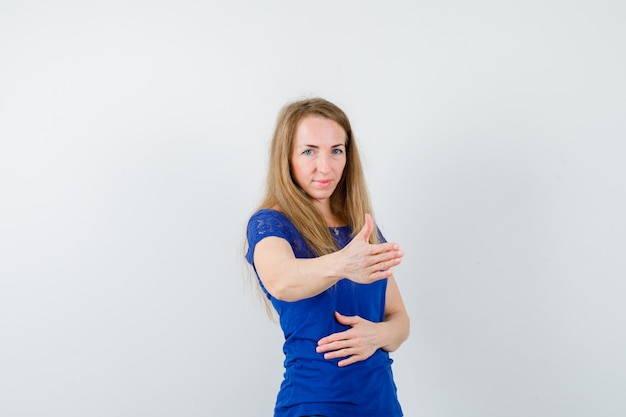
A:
(330, 346)
(380, 274)
(349, 361)
(335, 337)
(391, 254)
(366, 231)
(340, 353)
(336, 346)
(324, 348)
(346, 320)
(389, 260)
(387, 249)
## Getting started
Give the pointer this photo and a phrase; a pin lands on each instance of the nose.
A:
(323, 163)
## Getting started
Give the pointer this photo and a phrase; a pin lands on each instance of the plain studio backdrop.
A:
(134, 140)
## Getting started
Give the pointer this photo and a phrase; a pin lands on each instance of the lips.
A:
(323, 183)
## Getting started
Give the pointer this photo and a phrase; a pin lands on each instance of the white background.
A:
(133, 149)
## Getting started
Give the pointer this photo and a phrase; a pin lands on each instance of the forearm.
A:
(289, 278)
(396, 330)
(296, 279)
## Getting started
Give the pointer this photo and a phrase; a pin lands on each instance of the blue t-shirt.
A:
(312, 384)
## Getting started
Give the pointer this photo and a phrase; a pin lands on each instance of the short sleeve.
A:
(262, 224)
(268, 222)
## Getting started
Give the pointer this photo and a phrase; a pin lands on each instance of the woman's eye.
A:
(337, 151)
(307, 152)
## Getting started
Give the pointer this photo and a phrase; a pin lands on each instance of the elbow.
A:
(272, 286)
(279, 289)
(400, 334)
(286, 297)
(396, 345)
(280, 292)
(407, 330)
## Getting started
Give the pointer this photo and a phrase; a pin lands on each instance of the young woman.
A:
(327, 270)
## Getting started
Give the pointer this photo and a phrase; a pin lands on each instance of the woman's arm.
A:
(396, 319)
(289, 278)
(364, 337)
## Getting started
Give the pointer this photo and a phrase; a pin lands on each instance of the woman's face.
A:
(318, 157)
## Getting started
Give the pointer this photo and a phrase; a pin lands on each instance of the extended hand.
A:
(355, 344)
(365, 263)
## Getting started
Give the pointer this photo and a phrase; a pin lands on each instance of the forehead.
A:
(315, 129)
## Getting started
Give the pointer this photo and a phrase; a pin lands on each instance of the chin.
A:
(320, 196)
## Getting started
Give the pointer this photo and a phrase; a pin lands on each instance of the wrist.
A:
(334, 267)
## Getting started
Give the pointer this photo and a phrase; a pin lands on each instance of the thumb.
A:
(346, 320)
(366, 231)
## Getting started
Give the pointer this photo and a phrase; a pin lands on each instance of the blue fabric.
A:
(312, 384)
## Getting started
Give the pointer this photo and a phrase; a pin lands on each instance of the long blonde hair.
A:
(350, 200)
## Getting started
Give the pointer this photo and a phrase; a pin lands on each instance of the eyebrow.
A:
(317, 147)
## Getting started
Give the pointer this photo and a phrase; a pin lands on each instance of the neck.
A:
(331, 219)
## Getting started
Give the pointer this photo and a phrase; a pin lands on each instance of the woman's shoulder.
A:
(270, 220)
(269, 214)
(267, 222)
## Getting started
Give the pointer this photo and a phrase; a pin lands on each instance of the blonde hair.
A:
(350, 200)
